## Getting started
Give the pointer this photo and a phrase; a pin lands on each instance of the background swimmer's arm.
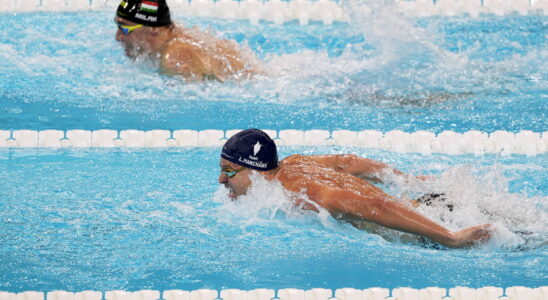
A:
(356, 165)
(392, 214)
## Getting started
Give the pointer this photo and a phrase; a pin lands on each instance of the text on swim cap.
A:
(146, 18)
(257, 164)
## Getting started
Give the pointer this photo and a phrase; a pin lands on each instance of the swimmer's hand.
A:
(471, 236)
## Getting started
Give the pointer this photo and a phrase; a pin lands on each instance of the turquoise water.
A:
(119, 219)
(65, 71)
(115, 219)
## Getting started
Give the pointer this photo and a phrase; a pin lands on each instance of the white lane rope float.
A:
(303, 11)
(449, 142)
(430, 293)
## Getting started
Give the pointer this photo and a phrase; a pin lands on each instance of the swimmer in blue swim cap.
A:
(338, 183)
(145, 29)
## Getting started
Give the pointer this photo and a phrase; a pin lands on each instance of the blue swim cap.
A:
(251, 148)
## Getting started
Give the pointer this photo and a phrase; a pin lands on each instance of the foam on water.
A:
(481, 195)
(266, 202)
(401, 62)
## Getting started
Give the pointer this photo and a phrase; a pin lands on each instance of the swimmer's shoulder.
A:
(182, 57)
(179, 46)
(290, 171)
(295, 158)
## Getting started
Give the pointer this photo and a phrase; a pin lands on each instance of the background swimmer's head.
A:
(141, 25)
(152, 13)
(248, 149)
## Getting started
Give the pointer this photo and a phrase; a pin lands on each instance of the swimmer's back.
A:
(298, 168)
(197, 55)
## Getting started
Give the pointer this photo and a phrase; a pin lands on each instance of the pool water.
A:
(157, 219)
(384, 72)
(93, 219)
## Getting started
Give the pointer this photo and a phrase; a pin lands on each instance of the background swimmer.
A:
(338, 183)
(145, 28)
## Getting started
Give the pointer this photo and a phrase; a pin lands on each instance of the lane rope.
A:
(304, 11)
(431, 293)
(474, 142)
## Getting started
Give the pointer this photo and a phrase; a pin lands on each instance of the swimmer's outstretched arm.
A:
(390, 213)
(359, 166)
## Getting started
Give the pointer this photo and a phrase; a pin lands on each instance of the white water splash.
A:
(399, 63)
(481, 195)
(264, 202)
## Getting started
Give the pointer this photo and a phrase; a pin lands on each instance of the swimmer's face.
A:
(135, 42)
(237, 184)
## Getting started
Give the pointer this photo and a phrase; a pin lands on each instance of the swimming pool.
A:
(132, 219)
(434, 74)
(115, 219)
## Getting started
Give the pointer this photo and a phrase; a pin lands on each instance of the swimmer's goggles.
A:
(127, 29)
(229, 172)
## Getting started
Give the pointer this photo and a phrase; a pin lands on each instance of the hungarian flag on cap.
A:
(149, 6)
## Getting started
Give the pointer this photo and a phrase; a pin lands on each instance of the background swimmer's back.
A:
(198, 55)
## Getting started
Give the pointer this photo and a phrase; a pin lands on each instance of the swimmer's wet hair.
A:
(154, 13)
(251, 148)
